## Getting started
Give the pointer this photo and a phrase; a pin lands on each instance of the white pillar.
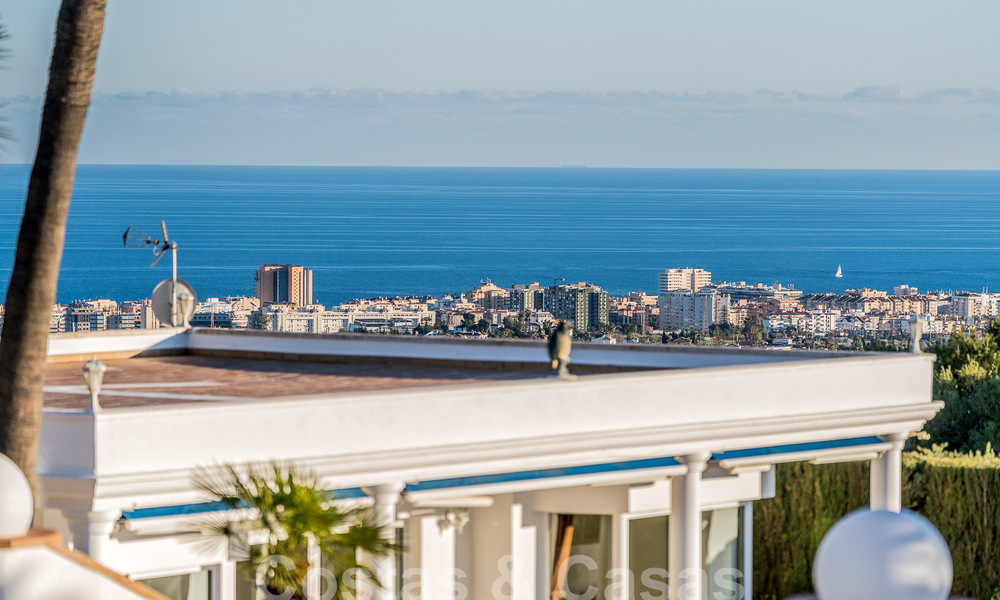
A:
(529, 544)
(877, 483)
(621, 583)
(225, 583)
(92, 531)
(893, 459)
(685, 529)
(747, 549)
(386, 498)
(887, 475)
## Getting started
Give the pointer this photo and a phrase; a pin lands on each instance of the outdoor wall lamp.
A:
(916, 331)
(186, 303)
(458, 519)
(93, 374)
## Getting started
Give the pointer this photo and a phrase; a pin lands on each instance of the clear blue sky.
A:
(651, 83)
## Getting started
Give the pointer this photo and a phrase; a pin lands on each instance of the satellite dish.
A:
(163, 300)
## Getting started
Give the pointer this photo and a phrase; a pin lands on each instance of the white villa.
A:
(647, 463)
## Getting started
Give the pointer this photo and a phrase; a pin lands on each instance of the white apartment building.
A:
(682, 309)
(57, 320)
(401, 321)
(541, 318)
(741, 290)
(933, 324)
(311, 322)
(857, 324)
(334, 321)
(684, 279)
(788, 320)
(822, 322)
(970, 305)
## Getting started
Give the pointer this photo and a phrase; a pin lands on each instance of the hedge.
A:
(954, 491)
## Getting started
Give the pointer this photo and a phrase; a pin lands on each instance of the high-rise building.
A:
(684, 309)
(584, 304)
(525, 297)
(684, 279)
(283, 284)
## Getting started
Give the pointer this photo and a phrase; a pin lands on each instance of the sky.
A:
(906, 84)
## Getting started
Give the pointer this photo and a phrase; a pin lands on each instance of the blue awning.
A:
(632, 465)
(792, 448)
(178, 510)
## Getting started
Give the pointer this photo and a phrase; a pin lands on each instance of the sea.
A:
(394, 231)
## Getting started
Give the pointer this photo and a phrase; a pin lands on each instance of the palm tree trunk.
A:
(33, 282)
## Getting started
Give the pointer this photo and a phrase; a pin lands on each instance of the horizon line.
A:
(567, 167)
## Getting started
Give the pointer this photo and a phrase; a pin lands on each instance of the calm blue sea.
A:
(387, 231)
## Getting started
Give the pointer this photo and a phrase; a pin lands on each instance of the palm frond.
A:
(275, 508)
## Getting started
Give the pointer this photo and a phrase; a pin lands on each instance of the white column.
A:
(226, 581)
(887, 475)
(619, 584)
(893, 459)
(685, 529)
(877, 483)
(529, 545)
(92, 531)
(386, 498)
(747, 549)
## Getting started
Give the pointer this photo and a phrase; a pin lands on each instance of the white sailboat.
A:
(839, 273)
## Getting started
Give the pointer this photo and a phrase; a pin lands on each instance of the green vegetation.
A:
(754, 331)
(515, 327)
(967, 379)
(426, 326)
(263, 321)
(953, 490)
(282, 509)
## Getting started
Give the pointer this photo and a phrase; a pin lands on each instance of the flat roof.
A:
(185, 366)
(144, 381)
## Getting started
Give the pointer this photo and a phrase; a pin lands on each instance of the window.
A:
(245, 587)
(722, 553)
(722, 545)
(581, 555)
(647, 556)
(191, 586)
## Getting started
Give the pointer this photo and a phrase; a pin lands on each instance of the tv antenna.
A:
(173, 299)
(555, 279)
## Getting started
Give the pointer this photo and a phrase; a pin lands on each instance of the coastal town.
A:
(690, 308)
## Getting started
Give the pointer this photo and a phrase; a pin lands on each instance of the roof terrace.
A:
(163, 380)
(168, 366)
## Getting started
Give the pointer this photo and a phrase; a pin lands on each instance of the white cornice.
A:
(157, 488)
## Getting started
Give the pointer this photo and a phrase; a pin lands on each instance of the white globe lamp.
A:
(16, 504)
(882, 555)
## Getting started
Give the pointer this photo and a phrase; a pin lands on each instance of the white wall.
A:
(41, 573)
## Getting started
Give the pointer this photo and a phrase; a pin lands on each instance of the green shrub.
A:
(967, 379)
(788, 528)
(954, 491)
